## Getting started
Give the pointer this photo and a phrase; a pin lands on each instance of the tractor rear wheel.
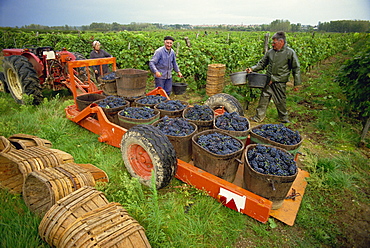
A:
(228, 102)
(21, 78)
(3, 86)
(145, 149)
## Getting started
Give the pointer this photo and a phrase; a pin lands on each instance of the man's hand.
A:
(179, 74)
(158, 74)
(249, 70)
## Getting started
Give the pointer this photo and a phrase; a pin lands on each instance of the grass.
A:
(18, 226)
(333, 212)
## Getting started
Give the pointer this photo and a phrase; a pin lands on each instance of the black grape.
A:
(199, 113)
(151, 99)
(175, 126)
(232, 122)
(138, 112)
(219, 143)
(271, 161)
(110, 76)
(171, 105)
(112, 102)
(278, 133)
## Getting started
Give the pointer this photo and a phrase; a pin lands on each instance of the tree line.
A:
(343, 26)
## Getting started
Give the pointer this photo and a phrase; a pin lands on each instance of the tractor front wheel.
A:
(146, 150)
(21, 79)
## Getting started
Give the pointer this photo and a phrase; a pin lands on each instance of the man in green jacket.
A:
(280, 61)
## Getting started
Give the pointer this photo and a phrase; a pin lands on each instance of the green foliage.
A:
(237, 50)
(354, 78)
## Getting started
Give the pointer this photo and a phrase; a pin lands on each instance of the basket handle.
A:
(239, 161)
(272, 184)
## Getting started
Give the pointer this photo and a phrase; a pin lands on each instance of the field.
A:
(335, 207)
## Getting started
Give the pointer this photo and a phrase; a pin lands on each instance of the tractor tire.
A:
(82, 75)
(3, 86)
(145, 148)
(21, 78)
(230, 103)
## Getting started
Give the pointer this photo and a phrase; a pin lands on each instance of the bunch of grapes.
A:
(278, 133)
(199, 113)
(110, 76)
(219, 143)
(232, 122)
(171, 105)
(151, 99)
(175, 126)
(138, 112)
(271, 161)
(112, 102)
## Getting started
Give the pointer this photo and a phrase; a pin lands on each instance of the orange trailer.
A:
(232, 195)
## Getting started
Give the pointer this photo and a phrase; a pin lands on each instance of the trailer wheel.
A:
(3, 86)
(230, 103)
(21, 78)
(145, 148)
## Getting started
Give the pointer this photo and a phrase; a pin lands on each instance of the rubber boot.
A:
(262, 105)
(279, 98)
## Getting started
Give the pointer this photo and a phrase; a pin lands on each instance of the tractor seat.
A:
(40, 50)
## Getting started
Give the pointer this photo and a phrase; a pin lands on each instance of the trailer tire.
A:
(21, 78)
(230, 103)
(3, 86)
(145, 148)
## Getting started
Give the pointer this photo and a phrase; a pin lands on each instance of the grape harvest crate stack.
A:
(146, 150)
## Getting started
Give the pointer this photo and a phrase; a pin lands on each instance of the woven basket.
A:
(67, 210)
(23, 141)
(107, 226)
(15, 165)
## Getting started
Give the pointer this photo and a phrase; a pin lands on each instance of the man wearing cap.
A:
(279, 62)
(162, 63)
(96, 54)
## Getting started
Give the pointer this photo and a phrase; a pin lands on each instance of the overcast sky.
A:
(195, 12)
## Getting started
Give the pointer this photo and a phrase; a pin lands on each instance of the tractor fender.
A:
(36, 62)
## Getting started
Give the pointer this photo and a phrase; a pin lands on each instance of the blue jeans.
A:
(166, 84)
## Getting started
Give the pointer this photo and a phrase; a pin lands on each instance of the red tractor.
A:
(30, 70)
